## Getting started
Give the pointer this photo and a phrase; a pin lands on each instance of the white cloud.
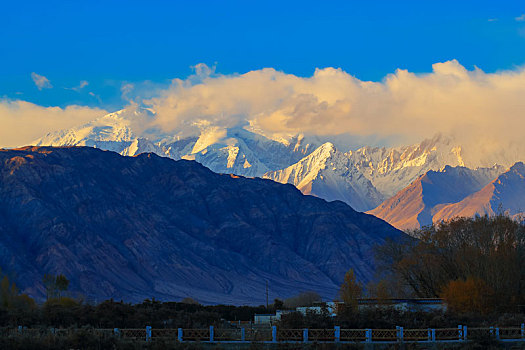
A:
(22, 122)
(520, 18)
(478, 107)
(203, 71)
(484, 111)
(126, 90)
(80, 86)
(41, 82)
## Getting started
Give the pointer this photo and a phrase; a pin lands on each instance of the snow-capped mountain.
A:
(242, 152)
(392, 169)
(365, 177)
(329, 174)
(362, 178)
(223, 150)
(112, 132)
(505, 194)
(415, 205)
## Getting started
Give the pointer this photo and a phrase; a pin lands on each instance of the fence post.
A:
(20, 329)
(429, 334)
(243, 334)
(460, 332)
(433, 335)
(523, 330)
(399, 333)
(465, 333)
(305, 335)
(368, 335)
(497, 333)
(274, 334)
(211, 334)
(116, 332)
(491, 331)
(337, 333)
(148, 333)
(179, 335)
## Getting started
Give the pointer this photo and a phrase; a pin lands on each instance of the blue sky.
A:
(111, 43)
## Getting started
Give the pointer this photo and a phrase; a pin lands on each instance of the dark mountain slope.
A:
(415, 205)
(146, 226)
(505, 194)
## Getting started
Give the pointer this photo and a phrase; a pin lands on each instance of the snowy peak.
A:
(208, 137)
(113, 131)
(327, 173)
(140, 145)
(306, 170)
(362, 178)
(224, 150)
(392, 169)
(325, 151)
(239, 151)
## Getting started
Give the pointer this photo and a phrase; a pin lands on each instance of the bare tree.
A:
(487, 250)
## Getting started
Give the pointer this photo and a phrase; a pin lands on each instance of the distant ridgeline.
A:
(364, 178)
(140, 227)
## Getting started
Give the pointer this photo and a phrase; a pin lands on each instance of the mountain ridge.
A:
(415, 205)
(328, 174)
(146, 226)
(362, 178)
(506, 193)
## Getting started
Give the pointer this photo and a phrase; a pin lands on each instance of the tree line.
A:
(475, 264)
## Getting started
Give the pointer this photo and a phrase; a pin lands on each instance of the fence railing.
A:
(278, 335)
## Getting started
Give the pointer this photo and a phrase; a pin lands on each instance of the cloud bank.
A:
(22, 122)
(485, 111)
(476, 107)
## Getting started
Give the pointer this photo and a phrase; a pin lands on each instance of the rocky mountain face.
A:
(505, 194)
(362, 178)
(392, 169)
(416, 205)
(147, 226)
(330, 174)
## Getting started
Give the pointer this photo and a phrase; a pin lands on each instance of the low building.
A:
(329, 307)
(269, 318)
(402, 304)
(264, 318)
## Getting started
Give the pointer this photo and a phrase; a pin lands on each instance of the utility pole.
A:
(266, 294)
